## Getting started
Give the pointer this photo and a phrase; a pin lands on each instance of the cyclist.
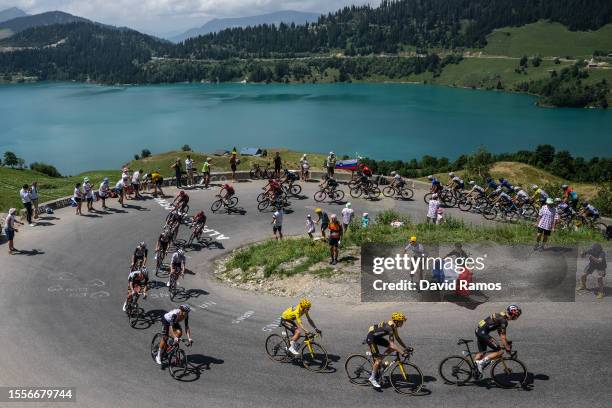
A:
(177, 265)
(199, 220)
(436, 186)
(570, 196)
(502, 198)
(563, 208)
(290, 178)
(172, 319)
(499, 322)
(455, 183)
(329, 184)
(397, 181)
(273, 189)
(491, 184)
(226, 192)
(140, 256)
(539, 195)
(138, 279)
(291, 320)
(393, 342)
(476, 191)
(505, 183)
(589, 212)
(163, 242)
(181, 201)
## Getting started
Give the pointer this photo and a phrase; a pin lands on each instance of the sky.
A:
(168, 17)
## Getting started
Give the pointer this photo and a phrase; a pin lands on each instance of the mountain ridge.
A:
(219, 24)
(11, 13)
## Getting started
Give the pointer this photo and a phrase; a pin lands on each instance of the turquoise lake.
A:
(79, 127)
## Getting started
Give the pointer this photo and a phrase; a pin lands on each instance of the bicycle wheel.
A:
(489, 213)
(314, 357)
(155, 345)
(296, 189)
(177, 363)
(388, 191)
(455, 370)
(407, 193)
(320, 196)
(261, 197)
(232, 202)
(216, 205)
(358, 368)
(373, 192)
(263, 205)
(464, 204)
(406, 378)
(426, 198)
(135, 315)
(338, 196)
(276, 347)
(509, 372)
(355, 192)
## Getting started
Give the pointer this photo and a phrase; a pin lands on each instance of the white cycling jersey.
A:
(177, 259)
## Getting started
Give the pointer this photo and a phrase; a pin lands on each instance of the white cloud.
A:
(169, 15)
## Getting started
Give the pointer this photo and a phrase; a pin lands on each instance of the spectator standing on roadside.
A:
(88, 193)
(34, 197)
(331, 164)
(77, 196)
(546, 223)
(323, 221)
(178, 172)
(206, 172)
(310, 226)
(136, 183)
(157, 180)
(597, 262)
(189, 168)
(304, 167)
(10, 230)
(432, 209)
(24, 193)
(416, 250)
(103, 192)
(347, 217)
(278, 164)
(365, 220)
(335, 235)
(126, 179)
(277, 223)
(233, 164)
(120, 190)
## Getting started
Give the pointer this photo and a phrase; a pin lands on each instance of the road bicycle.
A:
(173, 288)
(312, 355)
(371, 191)
(506, 211)
(257, 172)
(404, 376)
(132, 310)
(160, 254)
(447, 197)
(506, 372)
(403, 192)
(469, 203)
(173, 356)
(335, 195)
(290, 187)
(278, 202)
(223, 202)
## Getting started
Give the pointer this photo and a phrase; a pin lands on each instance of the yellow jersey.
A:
(294, 313)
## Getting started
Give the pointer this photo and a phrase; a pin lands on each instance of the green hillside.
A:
(548, 40)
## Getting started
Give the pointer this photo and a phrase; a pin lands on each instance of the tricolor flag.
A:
(349, 165)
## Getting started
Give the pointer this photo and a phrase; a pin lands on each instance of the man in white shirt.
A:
(24, 193)
(347, 216)
(136, 183)
(277, 223)
(189, 168)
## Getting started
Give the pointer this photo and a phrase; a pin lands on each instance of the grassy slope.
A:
(548, 40)
(526, 175)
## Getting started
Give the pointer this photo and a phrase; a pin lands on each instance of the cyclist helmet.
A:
(305, 303)
(142, 244)
(430, 177)
(86, 180)
(393, 173)
(185, 308)
(451, 174)
(557, 200)
(180, 251)
(564, 186)
(472, 182)
(398, 317)
(585, 204)
(516, 188)
(200, 214)
(318, 211)
(182, 193)
(534, 187)
(105, 179)
(514, 311)
(144, 270)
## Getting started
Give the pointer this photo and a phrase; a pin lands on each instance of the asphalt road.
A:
(63, 324)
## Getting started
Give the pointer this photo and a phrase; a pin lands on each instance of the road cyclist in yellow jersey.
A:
(392, 342)
(291, 319)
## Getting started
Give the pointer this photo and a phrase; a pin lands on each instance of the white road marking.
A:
(207, 304)
(271, 326)
(242, 318)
